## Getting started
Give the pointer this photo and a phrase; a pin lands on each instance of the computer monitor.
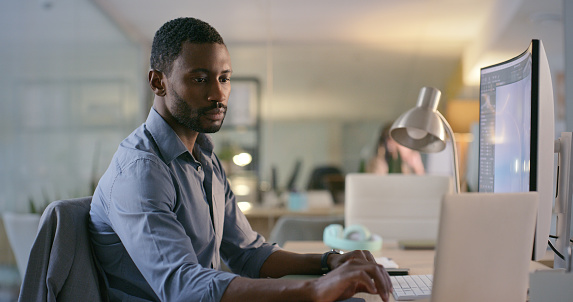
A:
(516, 141)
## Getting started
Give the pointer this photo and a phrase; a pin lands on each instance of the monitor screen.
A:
(505, 127)
(516, 136)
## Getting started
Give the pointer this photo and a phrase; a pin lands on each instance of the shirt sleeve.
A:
(141, 210)
(243, 249)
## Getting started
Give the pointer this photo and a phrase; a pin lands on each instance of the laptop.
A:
(484, 247)
(398, 207)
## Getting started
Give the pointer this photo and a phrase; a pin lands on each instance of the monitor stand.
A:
(563, 147)
(555, 284)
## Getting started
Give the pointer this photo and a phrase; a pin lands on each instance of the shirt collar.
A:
(167, 140)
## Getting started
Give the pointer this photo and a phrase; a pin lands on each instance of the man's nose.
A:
(217, 93)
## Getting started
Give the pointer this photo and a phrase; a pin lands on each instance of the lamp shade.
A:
(424, 128)
(421, 128)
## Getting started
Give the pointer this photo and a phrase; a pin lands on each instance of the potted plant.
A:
(21, 229)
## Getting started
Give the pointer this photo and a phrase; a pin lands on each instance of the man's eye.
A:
(225, 80)
(200, 80)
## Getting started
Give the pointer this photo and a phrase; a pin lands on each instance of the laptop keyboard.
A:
(411, 287)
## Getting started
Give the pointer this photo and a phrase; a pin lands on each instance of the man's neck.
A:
(186, 135)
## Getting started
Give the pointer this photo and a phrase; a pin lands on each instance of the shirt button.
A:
(199, 168)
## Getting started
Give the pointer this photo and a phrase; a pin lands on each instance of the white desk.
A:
(419, 262)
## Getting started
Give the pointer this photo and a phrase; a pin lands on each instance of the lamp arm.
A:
(454, 150)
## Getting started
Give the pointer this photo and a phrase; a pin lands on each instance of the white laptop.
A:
(398, 207)
(484, 247)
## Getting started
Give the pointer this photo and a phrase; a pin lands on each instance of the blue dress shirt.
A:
(162, 220)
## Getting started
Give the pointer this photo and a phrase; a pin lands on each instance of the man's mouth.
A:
(216, 114)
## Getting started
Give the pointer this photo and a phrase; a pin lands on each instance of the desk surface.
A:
(419, 262)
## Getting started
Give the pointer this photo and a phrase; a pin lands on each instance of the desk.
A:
(262, 219)
(420, 262)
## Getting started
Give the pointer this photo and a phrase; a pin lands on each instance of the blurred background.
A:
(313, 84)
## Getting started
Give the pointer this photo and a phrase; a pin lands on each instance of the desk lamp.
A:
(423, 128)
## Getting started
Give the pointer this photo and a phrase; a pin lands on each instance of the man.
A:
(163, 214)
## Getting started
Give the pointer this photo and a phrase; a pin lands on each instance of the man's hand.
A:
(336, 260)
(353, 274)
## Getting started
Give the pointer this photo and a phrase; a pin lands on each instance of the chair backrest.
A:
(317, 177)
(300, 228)
(396, 206)
(61, 263)
(329, 178)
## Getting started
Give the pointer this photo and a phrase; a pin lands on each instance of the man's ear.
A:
(156, 78)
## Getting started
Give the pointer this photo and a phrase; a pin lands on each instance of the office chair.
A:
(62, 266)
(300, 228)
(329, 178)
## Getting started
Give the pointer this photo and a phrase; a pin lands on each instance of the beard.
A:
(191, 117)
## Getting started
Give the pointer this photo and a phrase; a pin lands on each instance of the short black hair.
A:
(169, 39)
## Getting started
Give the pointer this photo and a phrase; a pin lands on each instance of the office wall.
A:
(71, 91)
